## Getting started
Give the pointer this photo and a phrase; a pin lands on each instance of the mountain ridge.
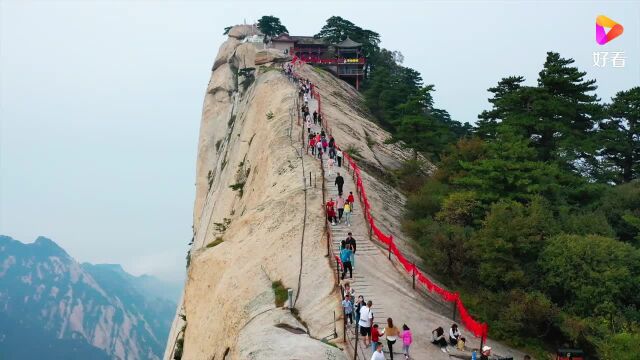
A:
(73, 310)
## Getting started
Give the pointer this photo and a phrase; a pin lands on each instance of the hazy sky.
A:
(100, 102)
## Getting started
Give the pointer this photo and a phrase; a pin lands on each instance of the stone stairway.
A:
(384, 282)
(367, 253)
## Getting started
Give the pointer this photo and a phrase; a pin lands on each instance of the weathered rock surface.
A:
(271, 55)
(250, 193)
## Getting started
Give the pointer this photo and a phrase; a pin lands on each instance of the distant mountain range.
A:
(52, 307)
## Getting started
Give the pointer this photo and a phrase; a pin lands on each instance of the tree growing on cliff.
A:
(270, 26)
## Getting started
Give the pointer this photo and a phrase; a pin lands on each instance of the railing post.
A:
(455, 307)
(328, 239)
(344, 326)
(355, 344)
(414, 276)
(389, 248)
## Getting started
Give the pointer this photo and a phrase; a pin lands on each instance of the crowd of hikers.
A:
(339, 211)
(360, 312)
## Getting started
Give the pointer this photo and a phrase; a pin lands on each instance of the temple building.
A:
(345, 59)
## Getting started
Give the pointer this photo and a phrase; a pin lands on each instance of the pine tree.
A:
(620, 137)
(489, 119)
(568, 112)
(270, 26)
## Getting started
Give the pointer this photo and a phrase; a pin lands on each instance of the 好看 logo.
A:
(603, 37)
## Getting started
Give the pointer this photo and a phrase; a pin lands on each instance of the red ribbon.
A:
(475, 327)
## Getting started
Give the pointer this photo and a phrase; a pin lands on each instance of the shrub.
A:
(354, 152)
(223, 226)
(219, 240)
(264, 69)
(369, 140)
(238, 187)
(270, 115)
(410, 175)
(248, 75)
(177, 355)
(280, 293)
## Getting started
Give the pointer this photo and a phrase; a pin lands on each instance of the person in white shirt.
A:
(454, 335)
(378, 355)
(366, 319)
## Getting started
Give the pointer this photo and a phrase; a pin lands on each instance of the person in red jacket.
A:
(312, 145)
(351, 199)
(331, 211)
(375, 337)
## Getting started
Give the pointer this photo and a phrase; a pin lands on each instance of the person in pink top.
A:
(407, 339)
(339, 205)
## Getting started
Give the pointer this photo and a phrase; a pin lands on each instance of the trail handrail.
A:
(477, 328)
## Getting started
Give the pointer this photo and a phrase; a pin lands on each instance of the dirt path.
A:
(379, 280)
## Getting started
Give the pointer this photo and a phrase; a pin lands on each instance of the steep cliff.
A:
(251, 200)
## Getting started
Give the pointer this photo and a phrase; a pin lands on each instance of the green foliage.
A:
(557, 116)
(248, 76)
(219, 240)
(623, 346)
(270, 115)
(621, 206)
(177, 354)
(264, 69)
(526, 315)
(397, 97)
(619, 137)
(353, 151)
(524, 217)
(270, 26)
(411, 175)
(280, 293)
(337, 29)
(590, 274)
(222, 227)
(238, 187)
(226, 30)
(370, 141)
(507, 246)
(459, 208)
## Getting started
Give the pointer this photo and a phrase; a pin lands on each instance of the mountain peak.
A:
(49, 245)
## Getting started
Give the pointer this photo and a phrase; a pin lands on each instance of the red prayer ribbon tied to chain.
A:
(477, 328)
